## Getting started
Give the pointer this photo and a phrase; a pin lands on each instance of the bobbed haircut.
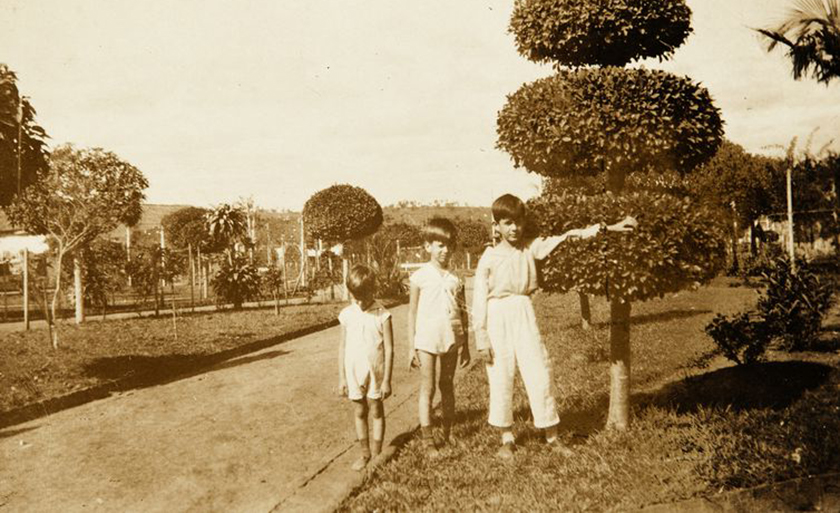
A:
(361, 282)
(440, 229)
(508, 206)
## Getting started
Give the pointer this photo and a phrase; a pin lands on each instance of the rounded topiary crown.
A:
(586, 121)
(599, 32)
(341, 213)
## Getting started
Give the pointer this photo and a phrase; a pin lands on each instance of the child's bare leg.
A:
(360, 414)
(377, 410)
(428, 363)
(448, 363)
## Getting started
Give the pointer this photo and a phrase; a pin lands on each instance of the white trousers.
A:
(515, 339)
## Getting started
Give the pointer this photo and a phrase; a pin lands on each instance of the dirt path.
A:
(241, 437)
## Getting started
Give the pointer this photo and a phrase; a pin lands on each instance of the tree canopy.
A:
(608, 33)
(611, 120)
(17, 118)
(341, 213)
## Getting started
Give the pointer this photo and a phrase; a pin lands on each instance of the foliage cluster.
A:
(236, 281)
(811, 34)
(613, 120)
(676, 245)
(341, 213)
(789, 313)
(611, 33)
(22, 141)
(103, 265)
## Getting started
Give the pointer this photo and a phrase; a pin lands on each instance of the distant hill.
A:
(420, 214)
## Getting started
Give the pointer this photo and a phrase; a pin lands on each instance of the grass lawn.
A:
(97, 353)
(696, 431)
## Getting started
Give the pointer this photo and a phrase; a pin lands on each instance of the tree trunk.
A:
(585, 311)
(78, 289)
(56, 295)
(619, 412)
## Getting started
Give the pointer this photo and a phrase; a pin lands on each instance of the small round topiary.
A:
(595, 120)
(599, 32)
(341, 213)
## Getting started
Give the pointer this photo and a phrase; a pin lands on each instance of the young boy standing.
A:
(507, 335)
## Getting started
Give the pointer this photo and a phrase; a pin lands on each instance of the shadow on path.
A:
(13, 432)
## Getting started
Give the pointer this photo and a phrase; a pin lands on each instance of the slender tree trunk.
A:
(619, 412)
(345, 268)
(78, 288)
(56, 296)
(585, 311)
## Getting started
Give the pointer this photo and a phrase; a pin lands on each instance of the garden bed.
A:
(696, 431)
(99, 357)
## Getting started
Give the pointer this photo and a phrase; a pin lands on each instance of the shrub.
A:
(742, 339)
(236, 281)
(794, 305)
(789, 313)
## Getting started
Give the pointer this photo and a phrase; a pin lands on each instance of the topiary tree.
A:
(609, 122)
(341, 213)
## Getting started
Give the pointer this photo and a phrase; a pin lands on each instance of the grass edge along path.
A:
(683, 443)
(41, 386)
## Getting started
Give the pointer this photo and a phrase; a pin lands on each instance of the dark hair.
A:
(440, 229)
(361, 282)
(508, 206)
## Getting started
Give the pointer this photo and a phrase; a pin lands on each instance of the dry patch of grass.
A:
(96, 353)
(695, 432)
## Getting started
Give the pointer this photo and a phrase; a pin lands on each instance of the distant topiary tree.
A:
(595, 119)
(341, 213)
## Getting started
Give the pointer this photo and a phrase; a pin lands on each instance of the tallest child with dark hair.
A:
(506, 331)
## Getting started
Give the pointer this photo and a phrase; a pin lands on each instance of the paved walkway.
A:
(253, 434)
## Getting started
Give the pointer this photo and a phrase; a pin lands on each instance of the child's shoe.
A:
(430, 447)
(505, 452)
(360, 463)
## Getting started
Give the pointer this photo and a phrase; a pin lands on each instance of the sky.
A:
(216, 100)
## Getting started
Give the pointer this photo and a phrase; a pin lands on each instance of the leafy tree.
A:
(85, 193)
(811, 34)
(611, 122)
(187, 226)
(23, 155)
(341, 213)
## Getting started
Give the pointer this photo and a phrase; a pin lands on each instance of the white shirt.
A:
(438, 321)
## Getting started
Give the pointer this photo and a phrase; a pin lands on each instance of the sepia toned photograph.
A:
(378, 255)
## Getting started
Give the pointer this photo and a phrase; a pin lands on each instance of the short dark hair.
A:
(440, 229)
(361, 282)
(508, 206)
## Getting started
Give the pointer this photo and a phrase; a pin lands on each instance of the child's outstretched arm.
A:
(388, 336)
(342, 379)
(543, 246)
(413, 299)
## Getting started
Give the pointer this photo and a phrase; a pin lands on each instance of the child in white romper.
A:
(506, 329)
(365, 359)
(437, 327)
